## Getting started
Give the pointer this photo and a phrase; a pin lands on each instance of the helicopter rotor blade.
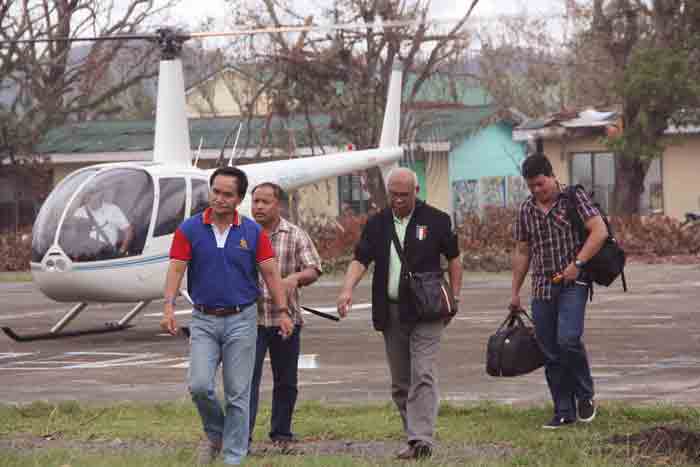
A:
(323, 27)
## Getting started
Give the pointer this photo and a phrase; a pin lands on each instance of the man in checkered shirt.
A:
(547, 242)
(300, 265)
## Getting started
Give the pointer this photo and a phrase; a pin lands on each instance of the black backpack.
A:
(609, 262)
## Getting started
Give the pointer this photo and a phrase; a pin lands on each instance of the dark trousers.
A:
(559, 325)
(284, 360)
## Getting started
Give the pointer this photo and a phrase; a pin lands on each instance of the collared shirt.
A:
(400, 224)
(108, 221)
(221, 274)
(295, 252)
(552, 240)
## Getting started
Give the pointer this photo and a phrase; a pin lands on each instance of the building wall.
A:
(681, 177)
(222, 96)
(681, 166)
(484, 171)
(319, 200)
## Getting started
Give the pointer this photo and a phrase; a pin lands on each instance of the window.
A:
(200, 196)
(171, 208)
(352, 195)
(596, 172)
(109, 217)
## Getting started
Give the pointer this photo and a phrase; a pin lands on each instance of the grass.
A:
(166, 434)
(18, 276)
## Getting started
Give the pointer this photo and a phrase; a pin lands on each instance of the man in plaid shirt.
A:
(547, 240)
(300, 265)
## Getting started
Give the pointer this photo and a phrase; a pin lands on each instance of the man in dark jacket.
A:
(411, 345)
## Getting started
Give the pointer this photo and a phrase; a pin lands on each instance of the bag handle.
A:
(399, 250)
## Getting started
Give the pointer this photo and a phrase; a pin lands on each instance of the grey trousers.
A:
(412, 352)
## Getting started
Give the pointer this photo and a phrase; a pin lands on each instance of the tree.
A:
(345, 73)
(48, 84)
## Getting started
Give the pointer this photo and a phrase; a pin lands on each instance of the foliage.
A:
(15, 251)
(46, 85)
(345, 73)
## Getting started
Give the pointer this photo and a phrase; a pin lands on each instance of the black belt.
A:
(220, 311)
(393, 302)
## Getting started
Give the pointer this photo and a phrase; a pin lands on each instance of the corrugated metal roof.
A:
(138, 135)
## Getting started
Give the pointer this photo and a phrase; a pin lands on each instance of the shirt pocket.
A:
(561, 220)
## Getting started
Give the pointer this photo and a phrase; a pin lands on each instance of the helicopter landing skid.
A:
(110, 327)
(55, 332)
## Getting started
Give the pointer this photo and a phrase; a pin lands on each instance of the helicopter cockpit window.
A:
(171, 208)
(200, 196)
(109, 218)
(46, 222)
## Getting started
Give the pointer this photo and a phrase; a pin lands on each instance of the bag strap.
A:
(399, 250)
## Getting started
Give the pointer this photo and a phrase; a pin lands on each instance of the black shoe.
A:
(586, 410)
(422, 450)
(557, 422)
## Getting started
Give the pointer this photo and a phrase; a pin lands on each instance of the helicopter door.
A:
(171, 207)
(200, 196)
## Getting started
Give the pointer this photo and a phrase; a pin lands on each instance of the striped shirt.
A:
(295, 252)
(552, 240)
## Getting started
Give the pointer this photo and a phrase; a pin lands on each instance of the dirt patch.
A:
(379, 449)
(661, 445)
(368, 449)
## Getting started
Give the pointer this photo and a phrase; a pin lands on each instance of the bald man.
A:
(412, 346)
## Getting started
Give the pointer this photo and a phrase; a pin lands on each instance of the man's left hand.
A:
(570, 274)
(286, 326)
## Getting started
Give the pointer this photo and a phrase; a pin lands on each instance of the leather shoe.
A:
(422, 450)
(407, 451)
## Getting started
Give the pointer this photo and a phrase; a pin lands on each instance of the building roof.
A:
(439, 124)
(557, 124)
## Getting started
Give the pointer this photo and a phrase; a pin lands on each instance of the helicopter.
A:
(75, 259)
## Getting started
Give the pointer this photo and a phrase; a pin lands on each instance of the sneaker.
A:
(557, 422)
(207, 452)
(586, 410)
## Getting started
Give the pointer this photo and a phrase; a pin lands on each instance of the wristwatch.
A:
(171, 301)
(579, 264)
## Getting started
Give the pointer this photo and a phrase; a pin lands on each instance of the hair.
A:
(402, 169)
(536, 165)
(277, 190)
(235, 172)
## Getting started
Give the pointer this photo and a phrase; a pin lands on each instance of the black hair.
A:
(536, 165)
(235, 172)
(277, 190)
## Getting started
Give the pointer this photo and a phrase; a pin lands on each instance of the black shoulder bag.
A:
(430, 293)
(609, 262)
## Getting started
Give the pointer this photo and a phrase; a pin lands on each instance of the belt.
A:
(219, 311)
(393, 302)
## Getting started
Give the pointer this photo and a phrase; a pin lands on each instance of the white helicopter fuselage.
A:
(64, 276)
(72, 259)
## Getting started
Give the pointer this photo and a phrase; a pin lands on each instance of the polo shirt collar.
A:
(206, 217)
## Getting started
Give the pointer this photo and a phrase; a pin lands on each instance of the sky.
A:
(194, 11)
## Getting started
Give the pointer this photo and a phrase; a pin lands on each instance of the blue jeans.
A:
(229, 340)
(284, 360)
(559, 325)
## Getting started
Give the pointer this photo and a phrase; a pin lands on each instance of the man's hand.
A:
(344, 302)
(514, 302)
(570, 274)
(286, 325)
(168, 322)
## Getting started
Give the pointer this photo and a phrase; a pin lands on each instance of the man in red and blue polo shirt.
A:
(222, 253)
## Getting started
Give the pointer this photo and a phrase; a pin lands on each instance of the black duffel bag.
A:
(514, 350)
